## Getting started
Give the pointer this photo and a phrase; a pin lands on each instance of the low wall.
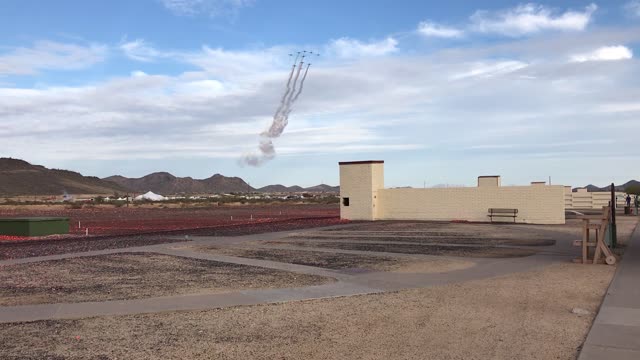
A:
(582, 199)
(535, 204)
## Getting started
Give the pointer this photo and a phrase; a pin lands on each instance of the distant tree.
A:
(633, 189)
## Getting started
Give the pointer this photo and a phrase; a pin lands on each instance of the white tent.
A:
(150, 196)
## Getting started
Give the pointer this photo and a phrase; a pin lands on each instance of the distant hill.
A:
(295, 188)
(593, 188)
(165, 183)
(18, 177)
(323, 188)
(280, 189)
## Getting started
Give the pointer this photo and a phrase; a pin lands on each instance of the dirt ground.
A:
(431, 239)
(23, 249)
(134, 276)
(483, 319)
(344, 261)
(109, 220)
(445, 250)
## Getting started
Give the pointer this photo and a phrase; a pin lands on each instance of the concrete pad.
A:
(592, 352)
(616, 336)
(615, 333)
(610, 315)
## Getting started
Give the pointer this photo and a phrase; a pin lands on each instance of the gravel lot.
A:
(25, 249)
(31, 248)
(483, 319)
(446, 250)
(431, 239)
(344, 261)
(134, 276)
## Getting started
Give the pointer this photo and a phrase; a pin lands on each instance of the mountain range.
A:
(593, 188)
(18, 177)
(166, 183)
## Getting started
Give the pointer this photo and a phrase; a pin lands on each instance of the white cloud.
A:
(633, 8)
(430, 29)
(369, 105)
(351, 48)
(206, 7)
(529, 19)
(605, 53)
(238, 64)
(487, 70)
(49, 55)
(139, 50)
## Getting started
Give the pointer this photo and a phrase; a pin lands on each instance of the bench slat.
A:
(501, 212)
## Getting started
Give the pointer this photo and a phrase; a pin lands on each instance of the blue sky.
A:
(443, 92)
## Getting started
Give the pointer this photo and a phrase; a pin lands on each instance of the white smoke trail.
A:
(289, 108)
(295, 83)
(280, 119)
(284, 97)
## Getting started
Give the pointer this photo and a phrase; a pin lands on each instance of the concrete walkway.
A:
(615, 333)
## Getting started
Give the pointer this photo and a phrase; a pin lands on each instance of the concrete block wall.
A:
(582, 199)
(535, 204)
(362, 182)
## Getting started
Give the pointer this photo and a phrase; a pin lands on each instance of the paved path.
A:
(615, 333)
(345, 284)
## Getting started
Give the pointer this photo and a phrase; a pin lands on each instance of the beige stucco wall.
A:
(360, 183)
(582, 199)
(535, 204)
(363, 184)
(491, 181)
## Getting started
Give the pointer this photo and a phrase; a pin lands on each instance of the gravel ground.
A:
(430, 239)
(483, 319)
(25, 249)
(261, 228)
(134, 276)
(446, 250)
(344, 261)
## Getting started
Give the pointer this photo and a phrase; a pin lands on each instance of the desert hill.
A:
(18, 177)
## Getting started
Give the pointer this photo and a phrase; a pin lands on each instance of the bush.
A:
(632, 189)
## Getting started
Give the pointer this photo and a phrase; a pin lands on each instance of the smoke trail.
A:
(284, 97)
(295, 84)
(280, 118)
(288, 111)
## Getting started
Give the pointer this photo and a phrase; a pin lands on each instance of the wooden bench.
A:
(503, 213)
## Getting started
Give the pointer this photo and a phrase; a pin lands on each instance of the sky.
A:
(441, 91)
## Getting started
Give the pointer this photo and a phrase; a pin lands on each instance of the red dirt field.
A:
(215, 220)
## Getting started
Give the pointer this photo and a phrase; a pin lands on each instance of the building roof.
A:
(361, 162)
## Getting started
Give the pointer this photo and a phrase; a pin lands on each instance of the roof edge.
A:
(361, 162)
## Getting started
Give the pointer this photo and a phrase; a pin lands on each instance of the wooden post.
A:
(585, 240)
(613, 230)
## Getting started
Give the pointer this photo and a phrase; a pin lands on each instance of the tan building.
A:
(363, 197)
